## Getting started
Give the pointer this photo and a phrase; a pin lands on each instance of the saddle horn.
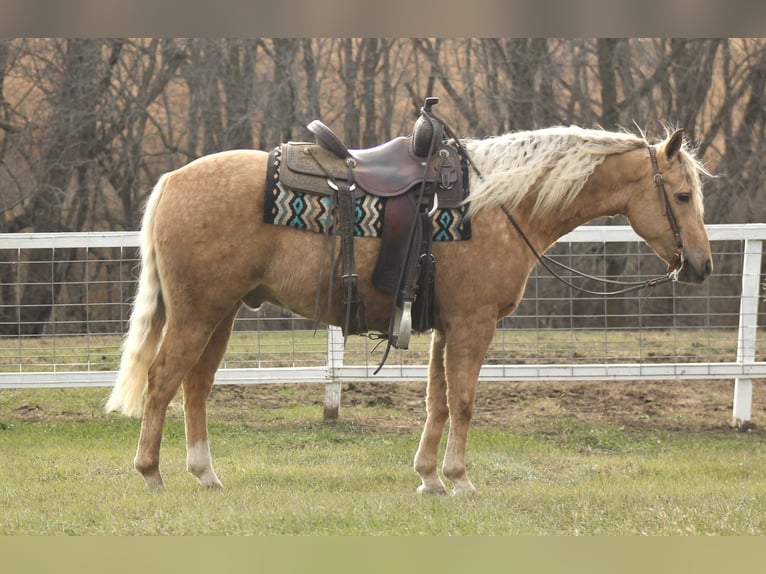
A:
(427, 128)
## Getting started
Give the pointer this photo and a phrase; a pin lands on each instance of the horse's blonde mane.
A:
(554, 163)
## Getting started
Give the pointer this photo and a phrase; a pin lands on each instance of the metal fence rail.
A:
(65, 299)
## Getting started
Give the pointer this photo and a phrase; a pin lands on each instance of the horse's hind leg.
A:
(437, 413)
(180, 350)
(196, 391)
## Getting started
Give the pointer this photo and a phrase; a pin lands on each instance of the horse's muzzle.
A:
(695, 271)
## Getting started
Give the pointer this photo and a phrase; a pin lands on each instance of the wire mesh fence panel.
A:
(65, 300)
(556, 324)
(64, 309)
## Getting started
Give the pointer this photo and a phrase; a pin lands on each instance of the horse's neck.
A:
(602, 195)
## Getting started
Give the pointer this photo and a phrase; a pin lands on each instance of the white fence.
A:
(65, 299)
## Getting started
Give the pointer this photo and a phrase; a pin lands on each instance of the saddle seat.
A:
(390, 169)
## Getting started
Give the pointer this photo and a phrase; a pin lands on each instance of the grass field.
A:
(547, 459)
(256, 349)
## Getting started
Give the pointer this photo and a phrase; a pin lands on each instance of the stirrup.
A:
(400, 338)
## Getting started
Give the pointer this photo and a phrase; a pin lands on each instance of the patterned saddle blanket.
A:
(294, 196)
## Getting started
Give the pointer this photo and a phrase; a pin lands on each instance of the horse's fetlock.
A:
(145, 466)
(151, 474)
(454, 472)
(424, 468)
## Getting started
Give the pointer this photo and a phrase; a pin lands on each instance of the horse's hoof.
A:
(154, 484)
(463, 487)
(208, 479)
(429, 491)
(463, 493)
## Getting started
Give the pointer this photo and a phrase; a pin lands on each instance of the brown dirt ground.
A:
(526, 408)
(664, 406)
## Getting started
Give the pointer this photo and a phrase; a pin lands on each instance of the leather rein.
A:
(624, 286)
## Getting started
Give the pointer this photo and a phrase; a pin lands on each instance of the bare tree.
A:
(87, 125)
(432, 51)
(282, 120)
(61, 197)
(75, 141)
(140, 135)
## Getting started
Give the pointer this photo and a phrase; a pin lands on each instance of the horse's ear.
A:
(674, 144)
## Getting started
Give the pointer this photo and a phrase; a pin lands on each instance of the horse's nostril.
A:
(708, 267)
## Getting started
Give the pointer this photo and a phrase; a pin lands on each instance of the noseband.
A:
(678, 257)
(674, 267)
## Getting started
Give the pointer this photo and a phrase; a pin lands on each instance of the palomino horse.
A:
(206, 251)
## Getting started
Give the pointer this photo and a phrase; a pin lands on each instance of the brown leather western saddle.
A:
(416, 174)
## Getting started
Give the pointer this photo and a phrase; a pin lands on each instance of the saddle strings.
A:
(328, 240)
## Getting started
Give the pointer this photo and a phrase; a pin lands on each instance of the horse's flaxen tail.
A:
(146, 322)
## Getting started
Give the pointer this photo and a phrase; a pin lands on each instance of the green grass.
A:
(66, 469)
(306, 348)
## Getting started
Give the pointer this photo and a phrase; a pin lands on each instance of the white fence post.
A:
(332, 388)
(748, 327)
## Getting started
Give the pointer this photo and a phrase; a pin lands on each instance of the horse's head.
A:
(667, 210)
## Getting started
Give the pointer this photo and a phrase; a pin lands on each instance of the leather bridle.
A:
(674, 267)
(677, 262)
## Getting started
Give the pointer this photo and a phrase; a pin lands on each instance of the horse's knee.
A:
(461, 403)
(437, 410)
(159, 391)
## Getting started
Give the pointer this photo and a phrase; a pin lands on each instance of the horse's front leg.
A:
(436, 416)
(467, 343)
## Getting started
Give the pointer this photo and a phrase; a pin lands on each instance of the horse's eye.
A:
(683, 197)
